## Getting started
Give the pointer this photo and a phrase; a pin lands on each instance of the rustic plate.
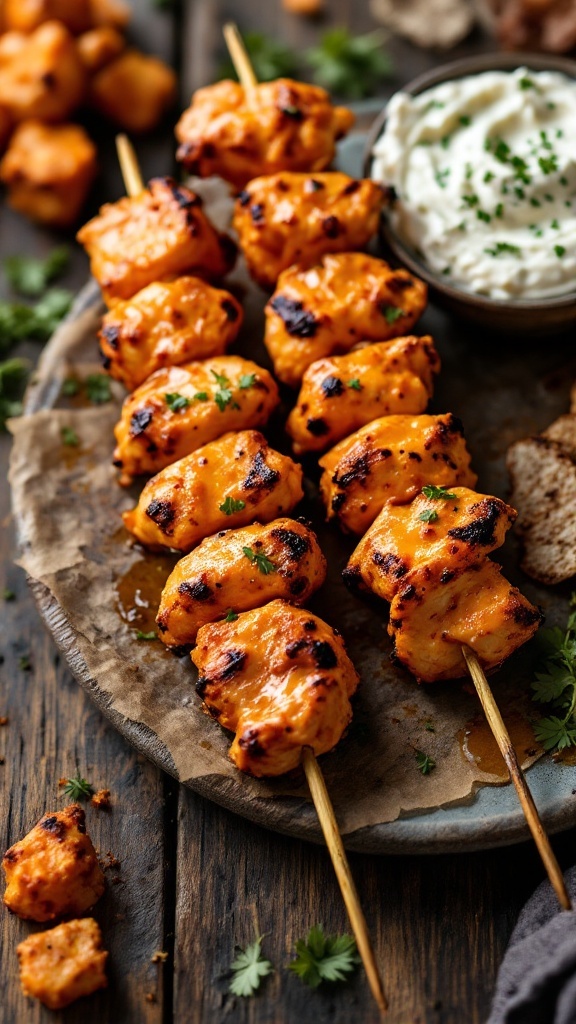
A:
(501, 395)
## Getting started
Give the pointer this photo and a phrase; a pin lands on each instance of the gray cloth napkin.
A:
(537, 978)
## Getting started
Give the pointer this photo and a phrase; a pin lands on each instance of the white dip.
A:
(484, 169)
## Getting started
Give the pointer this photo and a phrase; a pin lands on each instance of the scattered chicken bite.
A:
(340, 394)
(134, 90)
(110, 12)
(182, 504)
(180, 408)
(165, 324)
(330, 308)
(48, 170)
(292, 218)
(278, 126)
(431, 618)
(440, 529)
(28, 15)
(156, 235)
(99, 46)
(280, 679)
(391, 460)
(237, 570)
(44, 78)
(53, 872)
(64, 963)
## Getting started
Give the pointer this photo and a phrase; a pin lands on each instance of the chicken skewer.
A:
(319, 793)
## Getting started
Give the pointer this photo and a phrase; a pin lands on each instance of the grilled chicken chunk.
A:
(42, 77)
(278, 126)
(48, 170)
(431, 618)
(440, 529)
(328, 309)
(167, 323)
(390, 460)
(156, 235)
(180, 408)
(64, 963)
(342, 393)
(53, 872)
(193, 498)
(286, 218)
(281, 680)
(134, 90)
(237, 570)
(28, 15)
(99, 46)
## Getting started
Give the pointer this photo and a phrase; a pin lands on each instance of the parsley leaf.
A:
(354, 384)
(249, 967)
(424, 762)
(30, 276)
(348, 65)
(152, 635)
(223, 396)
(176, 402)
(69, 437)
(98, 388)
(269, 58)
(324, 957)
(263, 564)
(502, 249)
(78, 788)
(428, 516)
(13, 377)
(36, 323)
(437, 493)
(231, 505)
(231, 615)
(70, 387)
(392, 314)
(246, 381)
(557, 685)
(8, 595)
(201, 396)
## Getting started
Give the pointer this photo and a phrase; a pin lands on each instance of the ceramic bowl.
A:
(527, 316)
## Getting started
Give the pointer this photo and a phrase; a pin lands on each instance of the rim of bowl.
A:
(427, 80)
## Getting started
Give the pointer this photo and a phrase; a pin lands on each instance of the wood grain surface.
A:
(194, 879)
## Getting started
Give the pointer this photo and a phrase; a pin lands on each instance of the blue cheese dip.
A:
(484, 170)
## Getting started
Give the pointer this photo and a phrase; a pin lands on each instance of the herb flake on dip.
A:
(484, 170)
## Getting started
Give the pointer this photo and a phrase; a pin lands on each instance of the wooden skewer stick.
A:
(502, 737)
(134, 185)
(239, 57)
(327, 818)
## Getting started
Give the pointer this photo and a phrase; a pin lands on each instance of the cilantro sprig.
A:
(248, 968)
(78, 788)
(262, 563)
(231, 505)
(30, 276)
(223, 396)
(323, 957)
(556, 685)
(437, 493)
(348, 65)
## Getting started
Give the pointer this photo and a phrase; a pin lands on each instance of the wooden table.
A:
(194, 879)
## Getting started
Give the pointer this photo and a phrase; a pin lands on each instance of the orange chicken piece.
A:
(280, 126)
(48, 170)
(390, 460)
(239, 570)
(99, 46)
(183, 504)
(53, 872)
(280, 679)
(44, 78)
(180, 408)
(156, 235)
(449, 531)
(329, 308)
(28, 15)
(342, 393)
(292, 218)
(165, 324)
(431, 618)
(64, 963)
(110, 12)
(134, 90)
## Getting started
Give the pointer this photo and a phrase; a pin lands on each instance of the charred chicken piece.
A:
(449, 531)
(237, 570)
(53, 872)
(288, 218)
(64, 963)
(328, 309)
(156, 235)
(48, 170)
(432, 616)
(281, 680)
(279, 126)
(340, 394)
(134, 90)
(165, 324)
(43, 77)
(180, 408)
(390, 460)
(227, 483)
(99, 46)
(28, 15)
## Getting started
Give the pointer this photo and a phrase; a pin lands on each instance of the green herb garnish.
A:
(246, 381)
(557, 685)
(348, 65)
(502, 249)
(8, 595)
(152, 635)
(13, 376)
(231, 505)
(437, 493)
(262, 563)
(559, 250)
(392, 314)
(98, 388)
(428, 516)
(424, 762)
(176, 402)
(69, 437)
(223, 397)
(231, 615)
(30, 276)
(248, 969)
(70, 387)
(201, 396)
(354, 384)
(324, 957)
(24, 662)
(78, 788)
